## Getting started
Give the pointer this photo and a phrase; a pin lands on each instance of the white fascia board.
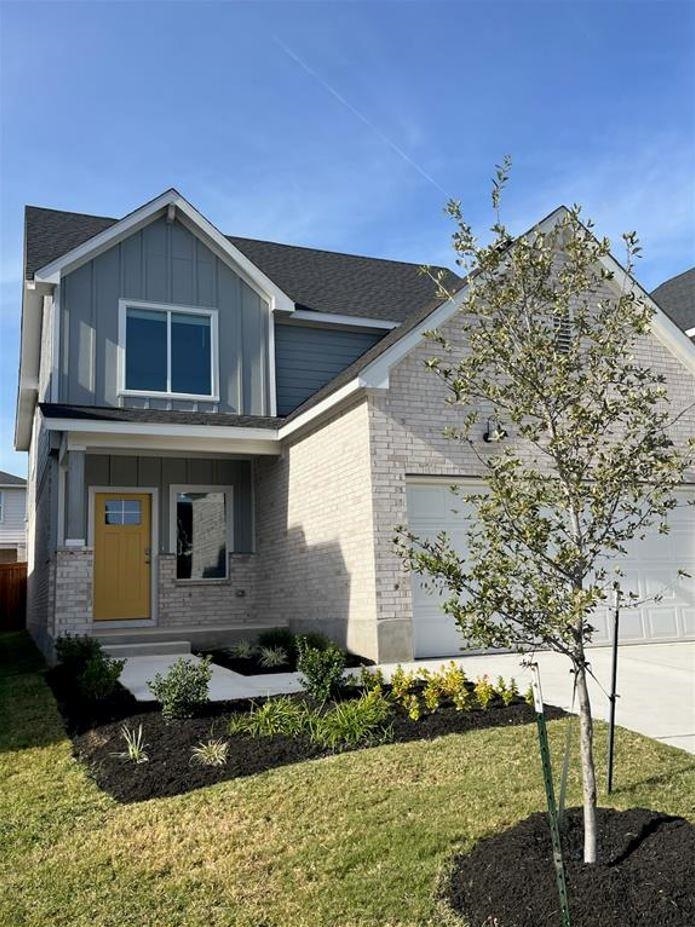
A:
(151, 434)
(134, 221)
(690, 332)
(29, 362)
(330, 318)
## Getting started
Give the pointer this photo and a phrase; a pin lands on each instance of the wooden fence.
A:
(13, 596)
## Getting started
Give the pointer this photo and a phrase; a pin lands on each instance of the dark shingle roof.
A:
(676, 297)
(163, 416)
(9, 479)
(325, 281)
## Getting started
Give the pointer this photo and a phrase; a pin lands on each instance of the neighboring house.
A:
(13, 518)
(676, 296)
(223, 433)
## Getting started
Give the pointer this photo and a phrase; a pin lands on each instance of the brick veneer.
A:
(207, 603)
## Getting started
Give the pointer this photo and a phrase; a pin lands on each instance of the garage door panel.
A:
(650, 568)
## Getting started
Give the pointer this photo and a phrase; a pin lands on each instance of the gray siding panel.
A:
(308, 357)
(162, 472)
(163, 263)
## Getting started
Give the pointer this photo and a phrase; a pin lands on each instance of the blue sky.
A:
(346, 125)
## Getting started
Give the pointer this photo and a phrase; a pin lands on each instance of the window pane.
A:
(190, 354)
(201, 535)
(122, 512)
(146, 350)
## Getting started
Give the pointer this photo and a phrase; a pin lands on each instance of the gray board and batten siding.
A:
(308, 357)
(162, 263)
(162, 472)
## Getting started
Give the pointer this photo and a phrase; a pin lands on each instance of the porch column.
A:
(75, 521)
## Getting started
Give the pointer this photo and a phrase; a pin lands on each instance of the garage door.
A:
(650, 569)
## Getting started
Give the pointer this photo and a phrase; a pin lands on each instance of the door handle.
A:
(148, 552)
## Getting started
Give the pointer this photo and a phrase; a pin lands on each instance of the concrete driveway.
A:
(656, 685)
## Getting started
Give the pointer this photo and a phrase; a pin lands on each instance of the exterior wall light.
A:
(495, 432)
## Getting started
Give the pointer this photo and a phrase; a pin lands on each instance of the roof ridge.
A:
(364, 257)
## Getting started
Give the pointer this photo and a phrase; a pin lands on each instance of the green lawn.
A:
(355, 839)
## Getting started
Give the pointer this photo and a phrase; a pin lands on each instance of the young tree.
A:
(587, 464)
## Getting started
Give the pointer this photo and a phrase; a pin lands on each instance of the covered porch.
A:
(156, 530)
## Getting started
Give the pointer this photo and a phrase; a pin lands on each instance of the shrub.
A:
(99, 677)
(362, 722)
(278, 637)
(242, 650)
(210, 753)
(280, 715)
(507, 692)
(321, 670)
(135, 750)
(369, 679)
(528, 697)
(403, 686)
(183, 689)
(74, 652)
(270, 657)
(484, 691)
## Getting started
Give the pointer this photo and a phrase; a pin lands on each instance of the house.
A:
(223, 433)
(676, 296)
(13, 515)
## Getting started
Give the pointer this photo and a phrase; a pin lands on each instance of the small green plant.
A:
(210, 753)
(271, 657)
(361, 722)
(412, 705)
(279, 715)
(74, 652)
(484, 692)
(136, 749)
(369, 678)
(242, 650)
(99, 677)
(402, 682)
(508, 692)
(528, 697)
(321, 671)
(183, 689)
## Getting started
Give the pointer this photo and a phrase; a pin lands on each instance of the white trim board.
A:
(330, 318)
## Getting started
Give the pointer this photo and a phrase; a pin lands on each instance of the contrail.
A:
(341, 99)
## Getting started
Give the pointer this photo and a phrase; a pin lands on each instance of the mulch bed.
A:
(96, 736)
(252, 667)
(645, 876)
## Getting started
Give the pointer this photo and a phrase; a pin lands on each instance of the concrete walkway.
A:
(656, 684)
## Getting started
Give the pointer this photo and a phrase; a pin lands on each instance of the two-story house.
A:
(13, 518)
(223, 433)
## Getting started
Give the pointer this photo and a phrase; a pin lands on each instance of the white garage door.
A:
(650, 569)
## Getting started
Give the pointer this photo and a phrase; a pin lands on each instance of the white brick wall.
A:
(314, 533)
(207, 603)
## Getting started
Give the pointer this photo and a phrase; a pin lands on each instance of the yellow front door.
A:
(121, 556)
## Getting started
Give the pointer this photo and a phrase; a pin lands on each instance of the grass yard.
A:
(354, 839)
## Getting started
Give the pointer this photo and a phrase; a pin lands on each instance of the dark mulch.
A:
(645, 876)
(170, 772)
(252, 667)
(80, 715)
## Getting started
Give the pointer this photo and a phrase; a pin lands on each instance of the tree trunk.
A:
(588, 771)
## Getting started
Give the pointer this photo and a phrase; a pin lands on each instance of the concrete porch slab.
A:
(225, 685)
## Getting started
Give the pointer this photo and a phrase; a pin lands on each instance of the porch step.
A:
(148, 649)
(193, 637)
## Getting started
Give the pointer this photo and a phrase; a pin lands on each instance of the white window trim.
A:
(2, 506)
(174, 490)
(169, 308)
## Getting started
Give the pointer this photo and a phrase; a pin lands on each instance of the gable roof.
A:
(676, 296)
(9, 479)
(323, 281)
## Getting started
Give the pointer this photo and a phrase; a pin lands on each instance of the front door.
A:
(122, 556)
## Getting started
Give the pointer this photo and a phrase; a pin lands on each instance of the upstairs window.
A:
(169, 351)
